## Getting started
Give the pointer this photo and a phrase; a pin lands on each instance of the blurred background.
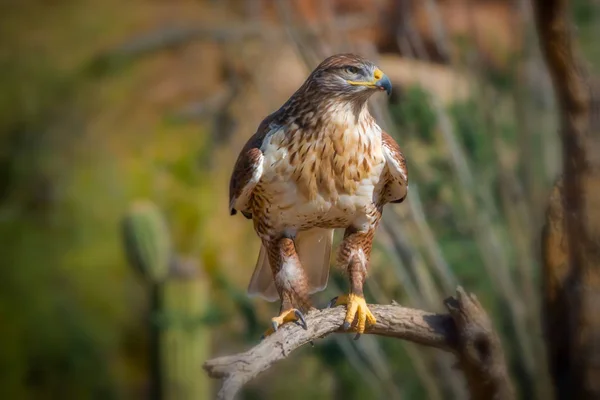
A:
(120, 121)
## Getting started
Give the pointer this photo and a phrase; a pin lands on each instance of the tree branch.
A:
(466, 331)
(169, 37)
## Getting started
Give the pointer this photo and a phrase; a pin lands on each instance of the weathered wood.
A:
(479, 349)
(467, 332)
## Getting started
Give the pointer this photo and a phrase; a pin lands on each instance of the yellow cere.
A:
(378, 74)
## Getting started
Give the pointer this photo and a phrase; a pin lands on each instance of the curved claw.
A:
(290, 315)
(356, 308)
(300, 318)
(332, 302)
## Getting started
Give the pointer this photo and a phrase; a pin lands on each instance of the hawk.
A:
(319, 163)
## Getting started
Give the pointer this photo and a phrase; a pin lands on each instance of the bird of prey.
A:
(319, 163)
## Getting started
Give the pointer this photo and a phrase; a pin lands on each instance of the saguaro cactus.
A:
(186, 342)
(147, 241)
(178, 293)
(148, 247)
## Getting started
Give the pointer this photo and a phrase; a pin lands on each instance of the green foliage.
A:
(414, 112)
(147, 241)
(585, 15)
(471, 130)
(52, 332)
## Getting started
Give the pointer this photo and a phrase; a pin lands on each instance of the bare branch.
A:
(174, 36)
(479, 349)
(466, 332)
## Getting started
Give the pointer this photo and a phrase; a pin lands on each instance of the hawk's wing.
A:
(397, 175)
(248, 170)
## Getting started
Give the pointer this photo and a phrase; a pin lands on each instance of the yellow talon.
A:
(356, 306)
(291, 315)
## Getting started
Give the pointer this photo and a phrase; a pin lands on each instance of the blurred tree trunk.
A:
(571, 237)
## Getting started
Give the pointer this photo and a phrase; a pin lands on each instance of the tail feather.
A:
(314, 250)
(262, 283)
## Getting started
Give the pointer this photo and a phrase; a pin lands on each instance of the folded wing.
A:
(248, 170)
(396, 187)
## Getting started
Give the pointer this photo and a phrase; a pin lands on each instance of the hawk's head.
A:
(349, 75)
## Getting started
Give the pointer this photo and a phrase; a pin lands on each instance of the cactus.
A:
(186, 341)
(147, 241)
(178, 295)
(148, 248)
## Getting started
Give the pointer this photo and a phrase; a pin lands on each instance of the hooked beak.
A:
(380, 81)
(383, 83)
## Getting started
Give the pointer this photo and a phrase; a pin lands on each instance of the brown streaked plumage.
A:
(318, 163)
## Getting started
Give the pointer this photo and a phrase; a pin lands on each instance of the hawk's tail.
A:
(314, 250)
(262, 283)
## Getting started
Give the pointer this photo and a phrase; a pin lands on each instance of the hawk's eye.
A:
(352, 70)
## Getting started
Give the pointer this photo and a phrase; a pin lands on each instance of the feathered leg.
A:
(354, 255)
(290, 281)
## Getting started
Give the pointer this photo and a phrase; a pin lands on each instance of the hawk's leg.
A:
(290, 281)
(354, 254)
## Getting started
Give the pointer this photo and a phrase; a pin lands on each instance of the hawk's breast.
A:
(329, 174)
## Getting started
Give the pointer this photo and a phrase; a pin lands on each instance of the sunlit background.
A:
(114, 114)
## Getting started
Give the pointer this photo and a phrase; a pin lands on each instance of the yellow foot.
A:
(291, 315)
(356, 307)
